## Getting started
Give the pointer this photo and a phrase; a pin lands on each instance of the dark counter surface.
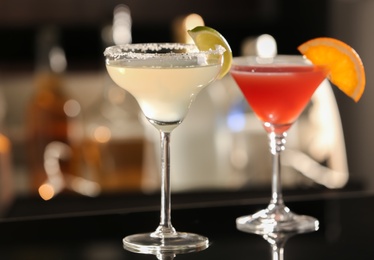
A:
(37, 230)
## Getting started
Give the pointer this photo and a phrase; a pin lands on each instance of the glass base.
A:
(276, 219)
(177, 243)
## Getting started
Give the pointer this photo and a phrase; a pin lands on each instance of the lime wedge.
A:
(207, 38)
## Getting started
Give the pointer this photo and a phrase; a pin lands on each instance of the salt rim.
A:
(136, 51)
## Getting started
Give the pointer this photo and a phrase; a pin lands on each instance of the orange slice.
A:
(346, 70)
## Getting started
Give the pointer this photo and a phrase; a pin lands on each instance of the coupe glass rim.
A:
(139, 50)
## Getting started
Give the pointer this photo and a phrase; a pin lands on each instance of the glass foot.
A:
(177, 243)
(276, 220)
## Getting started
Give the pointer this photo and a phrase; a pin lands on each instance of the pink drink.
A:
(278, 93)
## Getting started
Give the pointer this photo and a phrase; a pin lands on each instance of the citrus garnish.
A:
(207, 38)
(346, 70)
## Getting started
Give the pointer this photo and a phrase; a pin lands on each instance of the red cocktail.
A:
(277, 89)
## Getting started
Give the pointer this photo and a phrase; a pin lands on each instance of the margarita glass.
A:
(277, 89)
(164, 78)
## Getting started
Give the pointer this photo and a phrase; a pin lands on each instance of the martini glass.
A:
(277, 89)
(164, 78)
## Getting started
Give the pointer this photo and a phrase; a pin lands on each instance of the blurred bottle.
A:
(7, 189)
(114, 135)
(183, 23)
(51, 115)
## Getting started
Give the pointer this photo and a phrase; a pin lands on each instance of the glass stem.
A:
(277, 145)
(165, 227)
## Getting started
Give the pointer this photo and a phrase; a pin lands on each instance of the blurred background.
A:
(68, 132)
